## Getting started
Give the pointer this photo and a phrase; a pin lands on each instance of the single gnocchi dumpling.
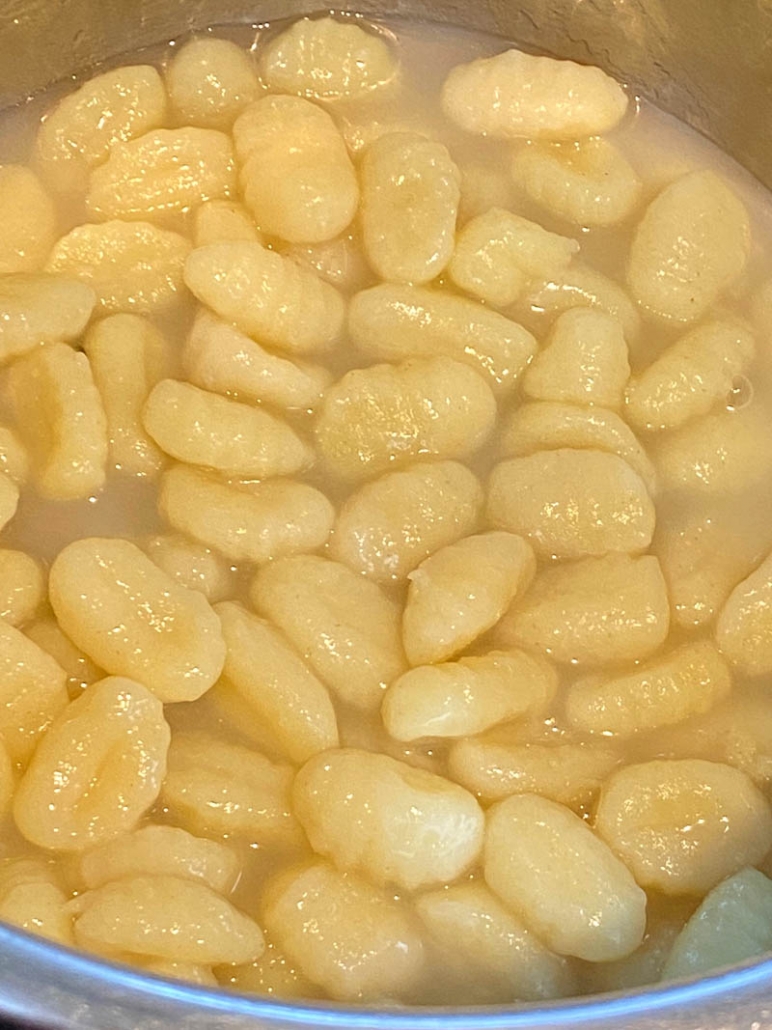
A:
(731, 926)
(22, 587)
(192, 565)
(567, 885)
(725, 452)
(78, 133)
(162, 173)
(498, 764)
(29, 219)
(392, 322)
(33, 898)
(246, 521)
(410, 196)
(167, 917)
(128, 356)
(705, 553)
(97, 770)
(385, 415)
(276, 684)
(589, 183)
(296, 174)
(39, 308)
(156, 850)
(62, 421)
(222, 790)
(552, 425)
(687, 681)
(131, 266)
(492, 955)
(32, 692)
(223, 221)
(585, 361)
(327, 59)
(496, 253)
(134, 620)
(388, 527)
(580, 286)
(466, 697)
(345, 626)
(219, 357)
(592, 612)
(353, 940)
(239, 440)
(744, 627)
(690, 377)
(210, 82)
(571, 503)
(461, 591)
(267, 296)
(360, 809)
(682, 826)
(691, 244)
(517, 95)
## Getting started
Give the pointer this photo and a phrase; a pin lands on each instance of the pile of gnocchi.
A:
(438, 671)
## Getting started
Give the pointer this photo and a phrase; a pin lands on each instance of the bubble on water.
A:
(741, 394)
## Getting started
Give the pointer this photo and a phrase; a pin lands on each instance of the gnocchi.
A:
(134, 620)
(133, 267)
(348, 937)
(210, 82)
(298, 180)
(285, 696)
(162, 173)
(98, 769)
(589, 183)
(203, 428)
(392, 322)
(547, 865)
(594, 611)
(384, 487)
(497, 252)
(246, 521)
(516, 95)
(220, 358)
(461, 591)
(344, 626)
(682, 826)
(388, 527)
(571, 503)
(266, 295)
(327, 59)
(691, 244)
(128, 356)
(374, 815)
(584, 362)
(410, 194)
(377, 417)
(457, 699)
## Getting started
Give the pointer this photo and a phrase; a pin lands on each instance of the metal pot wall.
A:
(707, 61)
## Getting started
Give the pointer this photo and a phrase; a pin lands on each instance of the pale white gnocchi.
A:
(410, 196)
(327, 59)
(210, 81)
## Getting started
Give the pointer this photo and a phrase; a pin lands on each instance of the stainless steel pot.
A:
(708, 62)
